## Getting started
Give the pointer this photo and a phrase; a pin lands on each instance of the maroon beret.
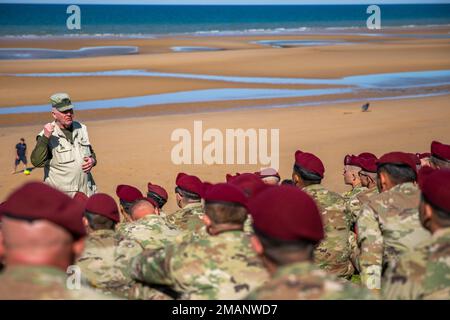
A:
(367, 155)
(400, 158)
(440, 150)
(286, 213)
(249, 183)
(128, 193)
(435, 186)
(309, 162)
(158, 190)
(268, 172)
(103, 205)
(368, 164)
(351, 160)
(81, 198)
(189, 183)
(38, 201)
(225, 192)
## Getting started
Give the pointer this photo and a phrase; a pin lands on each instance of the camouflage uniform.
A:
(334, 252)
(187, 218)
(104, 265)
(219, 267)
(354, 203)
(41, 283)
(423, 273)
(304, 281)
(354, 192)
(151, 232)
(388, 226)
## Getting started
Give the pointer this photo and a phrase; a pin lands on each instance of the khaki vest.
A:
(64, 171)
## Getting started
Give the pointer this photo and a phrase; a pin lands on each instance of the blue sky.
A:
(224, 1)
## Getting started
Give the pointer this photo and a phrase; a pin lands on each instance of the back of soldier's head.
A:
(41, 226)
(308, 177)
(398, 173)
(225, 204)
(440, 155)
(221, 213)
(101, 212)
(98, 222)
(39, 241)
(395, 168)
(287, 223)
(142, 208)
(435, 196)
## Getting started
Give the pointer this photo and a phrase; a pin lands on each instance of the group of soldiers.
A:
(252, 236)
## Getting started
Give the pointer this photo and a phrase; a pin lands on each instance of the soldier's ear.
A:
(206, 220)
(78, 247)
(256, 244)
(384, 181)
(427, 211)
(85, 222)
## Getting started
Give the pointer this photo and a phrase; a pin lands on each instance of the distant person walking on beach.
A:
(21, 155)
(64, 150)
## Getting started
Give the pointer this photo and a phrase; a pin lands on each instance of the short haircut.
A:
(277, 250)
(442, 214)
(287, 181)
(98, 222)
(22, 139)
(225, 212)
(398, 173)
(440, 163)
(187, 194)
(159, 200)
(126, 206)
(307, 176)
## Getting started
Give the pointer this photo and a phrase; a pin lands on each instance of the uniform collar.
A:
(316, 186)
(102, 232)
(192, 205)
(441, 234)
(35, 272)
(403, 186)
(296, 268)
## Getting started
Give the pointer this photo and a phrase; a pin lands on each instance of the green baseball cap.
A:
(61, 101)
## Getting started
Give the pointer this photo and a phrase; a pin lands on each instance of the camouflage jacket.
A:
(304, 281)
(334, 252)
(422, 273)
(104, 265)
(354, 203)
(353, 192)
(388, 226)
(218, 267)
(187, 219)
(151, 232)
(42, 283)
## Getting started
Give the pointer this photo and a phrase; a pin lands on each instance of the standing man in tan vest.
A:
(64, 150)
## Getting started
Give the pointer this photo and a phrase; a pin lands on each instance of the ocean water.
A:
(30, 20)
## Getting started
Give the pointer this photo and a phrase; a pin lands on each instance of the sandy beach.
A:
(133, 145)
